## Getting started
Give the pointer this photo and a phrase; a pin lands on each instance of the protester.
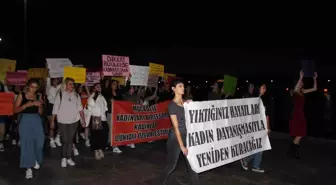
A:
(69, 110)
(298, 125)
(28, 104)
(177, 136)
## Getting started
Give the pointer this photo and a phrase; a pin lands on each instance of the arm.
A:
(56, 106)
(17, 107)
(176, 130)
(305, 91)
(87, 90)
(154, 96)
(80, 108)
(5, 88)
(297, 86)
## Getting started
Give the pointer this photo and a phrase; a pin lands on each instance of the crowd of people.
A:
(66, 112)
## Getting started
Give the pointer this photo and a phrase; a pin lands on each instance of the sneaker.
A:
(97, 155)
(116, 150)
(131, 145)
(259, 170)
(243, 164)
(36, 166)
(75, 152)
(2, 148)
(29, 174)
(58, 140)
(7, 137)
(70, 162)
(64, 163)
(14, 142)
(101, 153)
(82, 135)
(87, 143)
(52, 143)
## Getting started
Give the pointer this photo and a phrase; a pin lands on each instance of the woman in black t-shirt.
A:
(30, 127)
(177, 137)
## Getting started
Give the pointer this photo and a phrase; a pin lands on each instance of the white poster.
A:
(56, 66)
(224, 131)
(92, 78)
(139, 75)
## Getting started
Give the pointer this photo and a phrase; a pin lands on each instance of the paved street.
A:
(142, 166)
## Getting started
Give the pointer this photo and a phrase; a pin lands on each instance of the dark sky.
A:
(185, 40)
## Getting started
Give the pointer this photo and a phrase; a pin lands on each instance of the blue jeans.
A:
(257, 158)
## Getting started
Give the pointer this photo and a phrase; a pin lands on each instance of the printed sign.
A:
(6, 103)
(92, 78)
(138, 123)
(56, 66)
(38, 73)
(230, 84)
(115, 65)
(156, 69)
(5, 66)
(139, 75)
(77, 73)
(224, 131)
(16, 78)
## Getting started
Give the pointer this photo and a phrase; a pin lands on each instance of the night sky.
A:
(186, 41)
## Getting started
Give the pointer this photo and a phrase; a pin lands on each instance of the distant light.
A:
(0, 39)
(237, 89)
(246, 81)
(206, 81)
(287, 89)
(188, 82)
(325, 90)
(328, 80)
(271, 81)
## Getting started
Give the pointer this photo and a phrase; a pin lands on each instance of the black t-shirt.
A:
(177, 110)
(28, 110)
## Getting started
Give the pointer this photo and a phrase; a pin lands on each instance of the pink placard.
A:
(92, 78)
(16, 78)
(115, 65)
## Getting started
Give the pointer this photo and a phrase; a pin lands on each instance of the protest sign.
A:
(38, 73)
(230, 84)
(167, 75)
(224, 131)
(16, 78)
(156, 69)
(153, 80)
(77, 73)
(115, 65)
(139, 75)
(6, 103)
(120, 79)
(5, 66)
(92, 78)
(56, 66)
(138, 123)
(308, 68)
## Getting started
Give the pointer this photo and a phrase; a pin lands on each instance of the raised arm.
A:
(305, 91)
(298, 84)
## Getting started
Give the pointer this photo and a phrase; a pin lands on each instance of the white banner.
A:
(139, 75)
(92, 78)
(224, 131)
(56, 66)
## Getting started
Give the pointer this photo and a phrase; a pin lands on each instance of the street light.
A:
(0, 39)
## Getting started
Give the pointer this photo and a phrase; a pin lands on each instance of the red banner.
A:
(138, 123)
(6, 103)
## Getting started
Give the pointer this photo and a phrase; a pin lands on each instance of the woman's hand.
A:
(29, 104)
(184, 150)
(301, 74)
(37, 103)
(315, 75)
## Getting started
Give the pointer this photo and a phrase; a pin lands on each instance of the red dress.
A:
(298, 125)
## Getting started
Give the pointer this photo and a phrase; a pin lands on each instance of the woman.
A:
(298, 125)
(69, 110)
(177, 138)
(96, 116)
(29, 106)
(52, 90)
(110, 94)
(257, 158)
